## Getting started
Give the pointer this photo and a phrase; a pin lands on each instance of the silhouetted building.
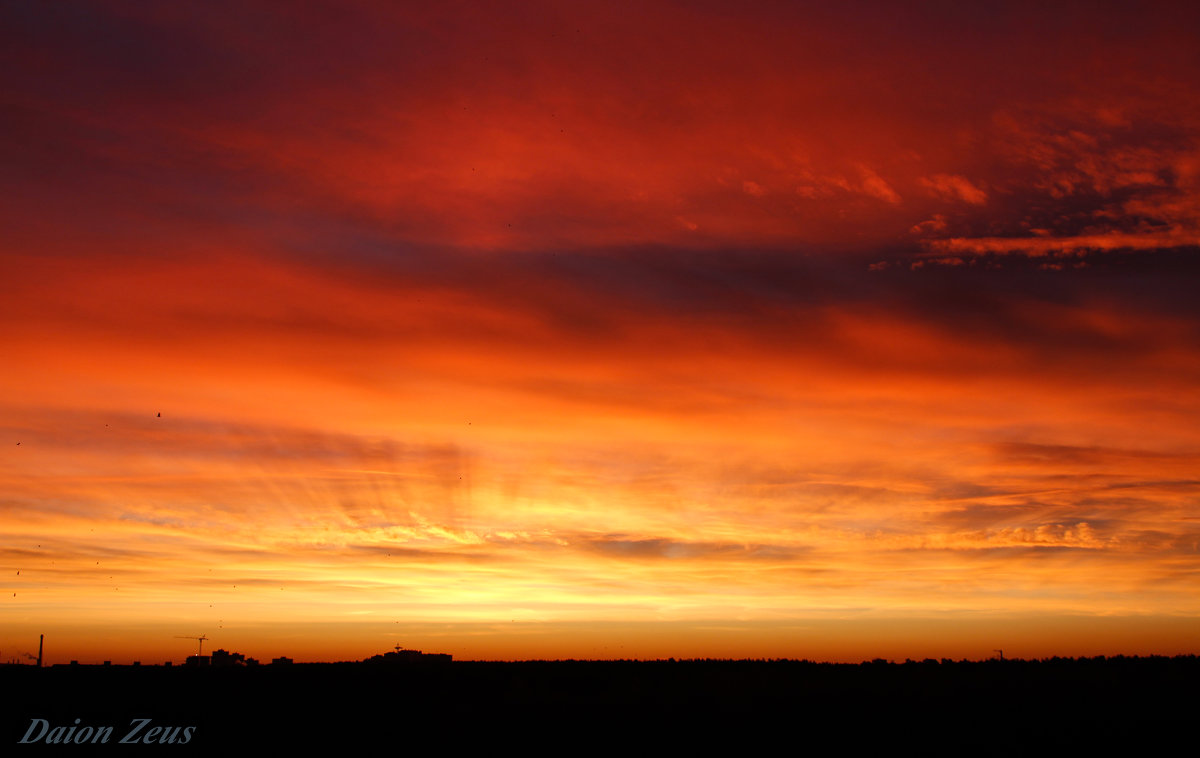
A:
(282, 660)
(225, 658)
(400, 655)
(197, 661)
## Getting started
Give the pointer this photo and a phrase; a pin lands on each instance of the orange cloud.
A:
(1042, 246)
(954, 188)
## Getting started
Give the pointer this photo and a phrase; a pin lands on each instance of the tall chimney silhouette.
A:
(41, 641)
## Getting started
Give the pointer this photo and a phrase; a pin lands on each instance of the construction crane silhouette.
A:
(201, 638)
(1001, 652)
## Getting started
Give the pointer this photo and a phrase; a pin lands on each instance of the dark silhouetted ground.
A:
(570, 707)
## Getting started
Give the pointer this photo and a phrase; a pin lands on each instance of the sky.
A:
(599, 330)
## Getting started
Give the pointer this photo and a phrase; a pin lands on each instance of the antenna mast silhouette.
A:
(201, 638)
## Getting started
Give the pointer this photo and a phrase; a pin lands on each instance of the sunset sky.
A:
(594, 330)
